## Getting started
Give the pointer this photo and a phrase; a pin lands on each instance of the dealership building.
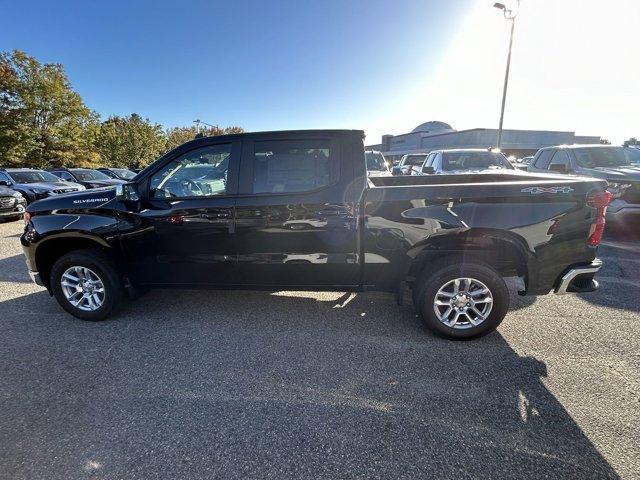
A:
(436, 135)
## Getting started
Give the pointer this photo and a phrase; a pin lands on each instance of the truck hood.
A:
(96, 197)
(616, 174)
(505, 170)
(6, 192)
(106, 183)
(50, 185)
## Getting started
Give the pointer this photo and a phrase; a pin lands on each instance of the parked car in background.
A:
(376, 164)
(522, 163)
(12, 204)
(633, 154)
(296, 211)
(609, 162)
(88, 177)
(408, 163)
(119, 173)
(36, 184)
(468, 160)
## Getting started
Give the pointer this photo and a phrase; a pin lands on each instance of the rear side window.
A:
(543, 159)
(288, 166)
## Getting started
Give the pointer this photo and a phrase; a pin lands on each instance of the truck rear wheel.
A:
(86, 284)
(461, 300)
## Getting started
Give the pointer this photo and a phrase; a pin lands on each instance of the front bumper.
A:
(579, 278)
(17, 211)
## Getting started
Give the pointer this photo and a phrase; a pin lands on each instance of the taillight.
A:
(26, 216)
(599, 201)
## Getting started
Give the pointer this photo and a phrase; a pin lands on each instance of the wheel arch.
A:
(501, 250)
(49, 250)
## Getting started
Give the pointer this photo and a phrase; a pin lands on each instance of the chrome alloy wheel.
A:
(463, 303)
(82, 288)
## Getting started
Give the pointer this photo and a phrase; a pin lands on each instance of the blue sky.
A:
(382, 66)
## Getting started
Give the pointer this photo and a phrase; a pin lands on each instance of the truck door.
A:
(185, 229)
(296, 217)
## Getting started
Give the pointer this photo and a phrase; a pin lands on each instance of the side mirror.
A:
(4, 183)
(559, 167)
(428, 169)
(127, 192)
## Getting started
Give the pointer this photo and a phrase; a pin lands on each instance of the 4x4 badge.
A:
(538, 190)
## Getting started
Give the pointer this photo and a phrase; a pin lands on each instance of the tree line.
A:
(44, 123)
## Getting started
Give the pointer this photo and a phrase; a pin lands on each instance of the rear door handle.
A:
(215, 216)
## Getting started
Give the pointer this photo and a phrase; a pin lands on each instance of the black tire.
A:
(104, 268)
(438, 274)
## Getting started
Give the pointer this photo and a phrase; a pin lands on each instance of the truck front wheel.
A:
(461, 300)
(86, 284)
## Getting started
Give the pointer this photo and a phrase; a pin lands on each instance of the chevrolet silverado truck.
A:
(226, 213)
(619, 166)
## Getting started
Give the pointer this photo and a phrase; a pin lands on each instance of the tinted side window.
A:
(429, 161)
(543, 159)
(64, 176)
(560, 158)
(199, 172)
(284, 166)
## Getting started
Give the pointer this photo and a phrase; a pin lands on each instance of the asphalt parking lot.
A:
(318, 385)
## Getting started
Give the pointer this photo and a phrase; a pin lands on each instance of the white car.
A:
(377, 165)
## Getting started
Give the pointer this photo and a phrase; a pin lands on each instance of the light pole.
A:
(199, 122)
(509, 14)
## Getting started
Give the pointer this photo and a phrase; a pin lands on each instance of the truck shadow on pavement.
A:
(273, 385)
(14, 269)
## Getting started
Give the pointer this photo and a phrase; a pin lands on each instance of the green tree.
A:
(131, 142)
(178, 135)
(43, 122)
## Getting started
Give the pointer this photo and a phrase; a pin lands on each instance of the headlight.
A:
(81, 188)
(19, 198)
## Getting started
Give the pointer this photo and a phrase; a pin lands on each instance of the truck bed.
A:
(497, 177)
(540, 220)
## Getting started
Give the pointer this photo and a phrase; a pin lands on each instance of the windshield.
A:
(33, 176)
(375, 161)
(124, 173)
(88, 175)
(474, 161)
(414, 160)
(601, 157)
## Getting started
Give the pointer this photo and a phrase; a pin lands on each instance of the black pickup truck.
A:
(295, 210)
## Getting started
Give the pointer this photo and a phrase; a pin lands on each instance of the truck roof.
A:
(447, 150)
(584, 145)
(290, 132)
